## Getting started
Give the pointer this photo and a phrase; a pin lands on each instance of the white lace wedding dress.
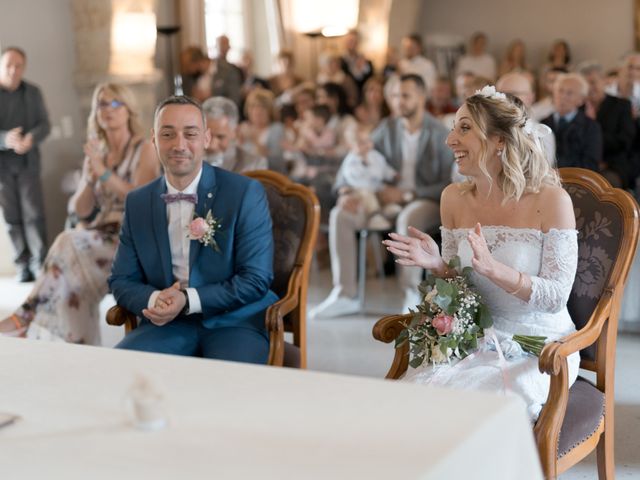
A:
(550, 259)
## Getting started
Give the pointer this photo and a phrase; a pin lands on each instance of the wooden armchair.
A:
(574, 421)
(295, 213)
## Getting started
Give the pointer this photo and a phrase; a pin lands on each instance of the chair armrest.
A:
(118, 316)
(387, 330)
(553, 360)
(274, 317)
(554, 353)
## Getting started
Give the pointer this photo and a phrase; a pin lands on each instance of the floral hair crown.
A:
(533, 129)
(490, 91)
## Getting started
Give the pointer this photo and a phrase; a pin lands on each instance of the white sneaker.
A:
(411, 299)
(335, 305)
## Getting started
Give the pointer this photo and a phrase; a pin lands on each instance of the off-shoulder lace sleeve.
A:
(449, 244)
(551, 288)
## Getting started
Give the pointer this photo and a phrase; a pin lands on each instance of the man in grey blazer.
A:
(415, 146)
(24, 123)
(223, 151)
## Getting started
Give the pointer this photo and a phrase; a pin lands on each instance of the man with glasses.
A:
(24, 123)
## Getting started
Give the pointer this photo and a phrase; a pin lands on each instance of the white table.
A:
(232, 420)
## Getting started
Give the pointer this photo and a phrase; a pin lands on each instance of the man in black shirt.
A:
(24, 123)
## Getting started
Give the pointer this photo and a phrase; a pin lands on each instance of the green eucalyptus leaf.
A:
(454, 262)
(402, 338)
(484, 320)
(443, 301)
(416, 362)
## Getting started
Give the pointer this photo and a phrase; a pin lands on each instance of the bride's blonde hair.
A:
(525, 168)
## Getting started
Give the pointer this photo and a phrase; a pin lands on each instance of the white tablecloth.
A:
(230, 420)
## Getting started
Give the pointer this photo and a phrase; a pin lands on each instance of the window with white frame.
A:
(226, 17)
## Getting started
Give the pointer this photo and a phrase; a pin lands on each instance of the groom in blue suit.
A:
(195, 260)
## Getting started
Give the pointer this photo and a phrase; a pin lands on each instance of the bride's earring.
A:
(502, 155)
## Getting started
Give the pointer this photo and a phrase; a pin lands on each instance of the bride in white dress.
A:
(514, 225)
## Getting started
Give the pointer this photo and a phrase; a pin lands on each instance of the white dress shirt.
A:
(409, 160)
(179, 216)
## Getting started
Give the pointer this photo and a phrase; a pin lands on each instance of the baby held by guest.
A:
(363, 173)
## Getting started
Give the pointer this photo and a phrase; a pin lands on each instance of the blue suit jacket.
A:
(233, 284)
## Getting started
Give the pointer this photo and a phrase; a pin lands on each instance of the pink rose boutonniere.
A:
(205, 229)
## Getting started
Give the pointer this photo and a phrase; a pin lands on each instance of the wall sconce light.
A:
(330, 18)
(133, 43)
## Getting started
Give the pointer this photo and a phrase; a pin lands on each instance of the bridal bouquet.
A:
(449, 321)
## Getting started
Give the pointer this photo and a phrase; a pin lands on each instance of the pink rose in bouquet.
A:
(443, 324)
(198, 228)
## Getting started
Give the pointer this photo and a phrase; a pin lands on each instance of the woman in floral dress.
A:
(63, 304)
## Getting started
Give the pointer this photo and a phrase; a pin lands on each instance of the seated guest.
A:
(559, 56)
(363, 174)
(316, 138)
(578, 138)
(464, 84)
(194, 63)
(392, 95)
(628, 84)
(616, 121)
(544, 106)
(391, 62)
(251, 80)
(283, 82)
(414, 146)
(222, 151)
(519, 85)
(204, 294)
(303, 97)
(515, 60)
(477, 60)
(342, 122)
(63, 304)
(354, 63)
(373, 107)
(440, 101)
(414, 61)
(330, 71)
(261, 134)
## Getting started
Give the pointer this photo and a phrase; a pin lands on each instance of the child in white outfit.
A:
(364, 172)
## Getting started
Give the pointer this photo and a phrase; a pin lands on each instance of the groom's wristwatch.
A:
(185, 310)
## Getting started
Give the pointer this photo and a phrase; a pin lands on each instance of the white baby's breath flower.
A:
(431, 295)
(490, 91)
(436, 354)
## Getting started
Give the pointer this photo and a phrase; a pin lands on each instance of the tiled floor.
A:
(346, 345)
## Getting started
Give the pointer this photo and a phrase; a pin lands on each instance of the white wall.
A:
(43, 28)
(595, 29)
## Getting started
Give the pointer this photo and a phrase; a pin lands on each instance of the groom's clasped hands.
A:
(168, 305)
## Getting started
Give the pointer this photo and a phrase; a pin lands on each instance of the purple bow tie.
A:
(176, 197)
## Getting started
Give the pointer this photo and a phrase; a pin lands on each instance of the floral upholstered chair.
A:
(295, 213)
(574, 421)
